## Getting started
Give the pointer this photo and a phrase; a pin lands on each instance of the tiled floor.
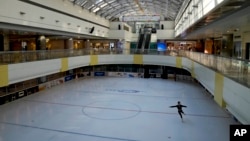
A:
(115, 109)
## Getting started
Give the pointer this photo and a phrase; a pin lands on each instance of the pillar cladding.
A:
(227, 45)
(218, 91)
(1, 42)
(41, 43)
(6, 42)
(4, 76)
(69, 44)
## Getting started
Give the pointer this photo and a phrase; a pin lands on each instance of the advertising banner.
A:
(100, 73)
(50, 84)
(125, 74)
(68, 78)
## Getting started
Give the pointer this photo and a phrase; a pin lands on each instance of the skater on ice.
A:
(179, 107)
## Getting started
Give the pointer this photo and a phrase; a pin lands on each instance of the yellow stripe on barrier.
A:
(4, 75)
(218, 92)
(93, 60)
(192, 70)
(64, 64)
(179, 62)
(138, 59)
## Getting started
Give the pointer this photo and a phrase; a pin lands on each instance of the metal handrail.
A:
(236, 69)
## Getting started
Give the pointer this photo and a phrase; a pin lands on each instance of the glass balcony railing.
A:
(238, 70)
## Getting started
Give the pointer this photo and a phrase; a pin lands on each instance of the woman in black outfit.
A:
(179, 107)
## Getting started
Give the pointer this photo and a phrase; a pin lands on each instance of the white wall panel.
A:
(116, 34)
(120, 34)
(165, 34)
(159, 60)
(114, 26)
(25, 71)
(187, 64)
(153, 38)
(68, 7)
(237, 98)
(167, 24)
(128, 36)
(206, 77)
(115, 59)
(135, 37)
(79, 61)
(33, 14)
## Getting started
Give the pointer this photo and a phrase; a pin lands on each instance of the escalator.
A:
(147, 41)
(143, 41)
(140, 41)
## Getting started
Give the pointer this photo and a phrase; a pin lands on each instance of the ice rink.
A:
(116, 109)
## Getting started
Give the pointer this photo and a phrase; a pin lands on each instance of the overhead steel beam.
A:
(139, 5)
(112, 11)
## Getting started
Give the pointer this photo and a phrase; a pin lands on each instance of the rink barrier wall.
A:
(226, 92)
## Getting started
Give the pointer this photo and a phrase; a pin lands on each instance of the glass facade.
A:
(196, 10)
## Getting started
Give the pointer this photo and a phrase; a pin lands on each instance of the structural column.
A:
(227, 45)
(69, 44)
(41, 43)
(1, 42)
(4, 42)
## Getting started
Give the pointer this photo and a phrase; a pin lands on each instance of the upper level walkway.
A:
(235, 69)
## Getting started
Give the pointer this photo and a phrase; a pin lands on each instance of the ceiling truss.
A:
(114, 9)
